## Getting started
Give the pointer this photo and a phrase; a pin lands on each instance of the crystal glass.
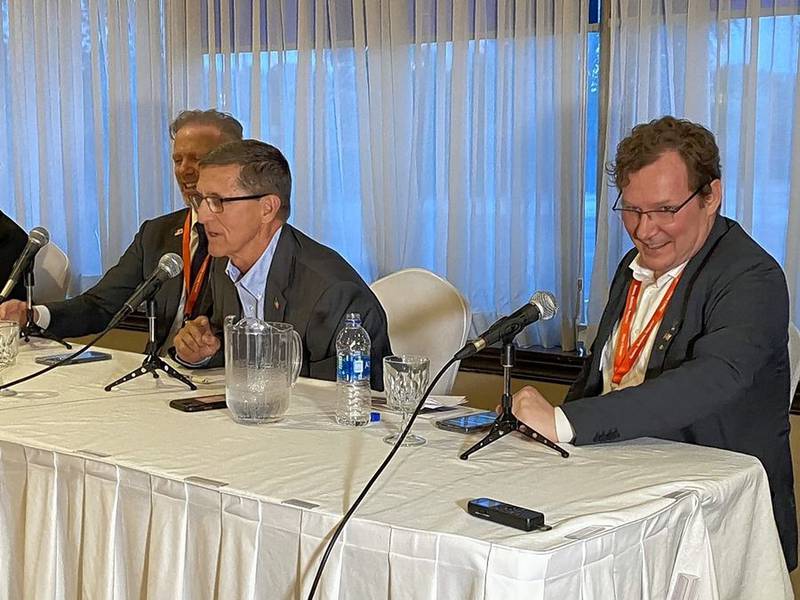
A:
(405, 378)
(9, 347)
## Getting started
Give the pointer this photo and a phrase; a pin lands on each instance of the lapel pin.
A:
(276, 304)
(178, 232)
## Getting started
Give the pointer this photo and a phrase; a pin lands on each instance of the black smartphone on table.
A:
(90, 356)
(506, 514)
(200, 403)
(468, 423)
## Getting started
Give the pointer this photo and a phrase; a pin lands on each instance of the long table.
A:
(116, 495)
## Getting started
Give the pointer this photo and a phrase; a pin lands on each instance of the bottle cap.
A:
(353, 318)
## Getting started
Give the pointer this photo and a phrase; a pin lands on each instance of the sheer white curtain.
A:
(83, 119)
(440, 134)
(436, 133)
(733, 66)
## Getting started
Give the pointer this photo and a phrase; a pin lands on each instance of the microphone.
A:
(542, 305)
(37, 239)
(169, 266)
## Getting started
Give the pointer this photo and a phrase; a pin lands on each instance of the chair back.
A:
(51, 274)
(426, 315)
(794, 359)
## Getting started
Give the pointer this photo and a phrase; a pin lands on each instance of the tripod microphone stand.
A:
(506, 422)
(31, 329)
(152, 362)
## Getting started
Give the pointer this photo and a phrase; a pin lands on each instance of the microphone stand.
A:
(506, 422)
(31, 329)
(152, 362)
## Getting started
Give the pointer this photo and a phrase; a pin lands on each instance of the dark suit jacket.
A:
(92, 311)
(311, 287)
(12, 241)
(719, 370)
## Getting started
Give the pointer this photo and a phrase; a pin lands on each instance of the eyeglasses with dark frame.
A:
(216, 204)
(663, 215)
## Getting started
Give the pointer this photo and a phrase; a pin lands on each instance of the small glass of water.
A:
(9, 347)
(405, 378)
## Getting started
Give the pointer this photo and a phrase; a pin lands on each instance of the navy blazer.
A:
(718, 374)
(311, 287)
(92, 311)
(12, 241)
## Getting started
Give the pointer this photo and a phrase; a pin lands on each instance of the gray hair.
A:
(264, 169)
(227, 125)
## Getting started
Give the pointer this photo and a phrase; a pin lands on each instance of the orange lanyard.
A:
(193, 290)
(626, 354)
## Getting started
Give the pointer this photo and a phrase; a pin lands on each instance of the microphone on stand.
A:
(542, 305)
(37, 239)
(169, 265)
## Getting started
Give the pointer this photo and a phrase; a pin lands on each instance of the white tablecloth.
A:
(115, 495)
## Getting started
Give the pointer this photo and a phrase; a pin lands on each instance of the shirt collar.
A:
(647, 276)
(255, 280)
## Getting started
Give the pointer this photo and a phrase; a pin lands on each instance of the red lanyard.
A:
(626, 354)
(193, 290)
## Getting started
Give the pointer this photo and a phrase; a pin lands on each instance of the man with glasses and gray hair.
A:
(194, 133)
(265, 268)
(692, 344)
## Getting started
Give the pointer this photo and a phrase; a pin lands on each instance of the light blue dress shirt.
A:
(252, 286)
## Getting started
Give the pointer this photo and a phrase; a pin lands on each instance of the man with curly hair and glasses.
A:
(692, 344)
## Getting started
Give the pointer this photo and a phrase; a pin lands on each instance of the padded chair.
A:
(794, 359)
(50, 274)
(426, 315)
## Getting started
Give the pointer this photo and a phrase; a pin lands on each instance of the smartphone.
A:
(468, 423)
(199, 403)
(506, 514)
(90, 356)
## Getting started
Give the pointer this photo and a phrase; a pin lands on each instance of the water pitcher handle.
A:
(297, 356)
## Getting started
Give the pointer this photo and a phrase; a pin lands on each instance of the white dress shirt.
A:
(650, 295)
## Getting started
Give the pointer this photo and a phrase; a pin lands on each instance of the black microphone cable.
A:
(374, 478)
(114, 322)
(169, 265)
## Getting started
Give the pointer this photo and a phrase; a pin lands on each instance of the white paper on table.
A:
(430, 402)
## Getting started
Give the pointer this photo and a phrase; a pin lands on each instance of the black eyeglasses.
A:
(216, 204)
(663, 215)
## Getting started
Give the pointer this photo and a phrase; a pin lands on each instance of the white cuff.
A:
(564, 431)
(196, 365)
(43, 318)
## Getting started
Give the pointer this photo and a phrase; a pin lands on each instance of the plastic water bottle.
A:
(352, 373)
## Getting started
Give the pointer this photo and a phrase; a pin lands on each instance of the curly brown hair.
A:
(648, 141)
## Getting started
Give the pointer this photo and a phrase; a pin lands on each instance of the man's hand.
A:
(195, 342)
(530, 407)
(14, 310)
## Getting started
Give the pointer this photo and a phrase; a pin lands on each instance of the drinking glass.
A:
(405, 378)
(9, 347)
